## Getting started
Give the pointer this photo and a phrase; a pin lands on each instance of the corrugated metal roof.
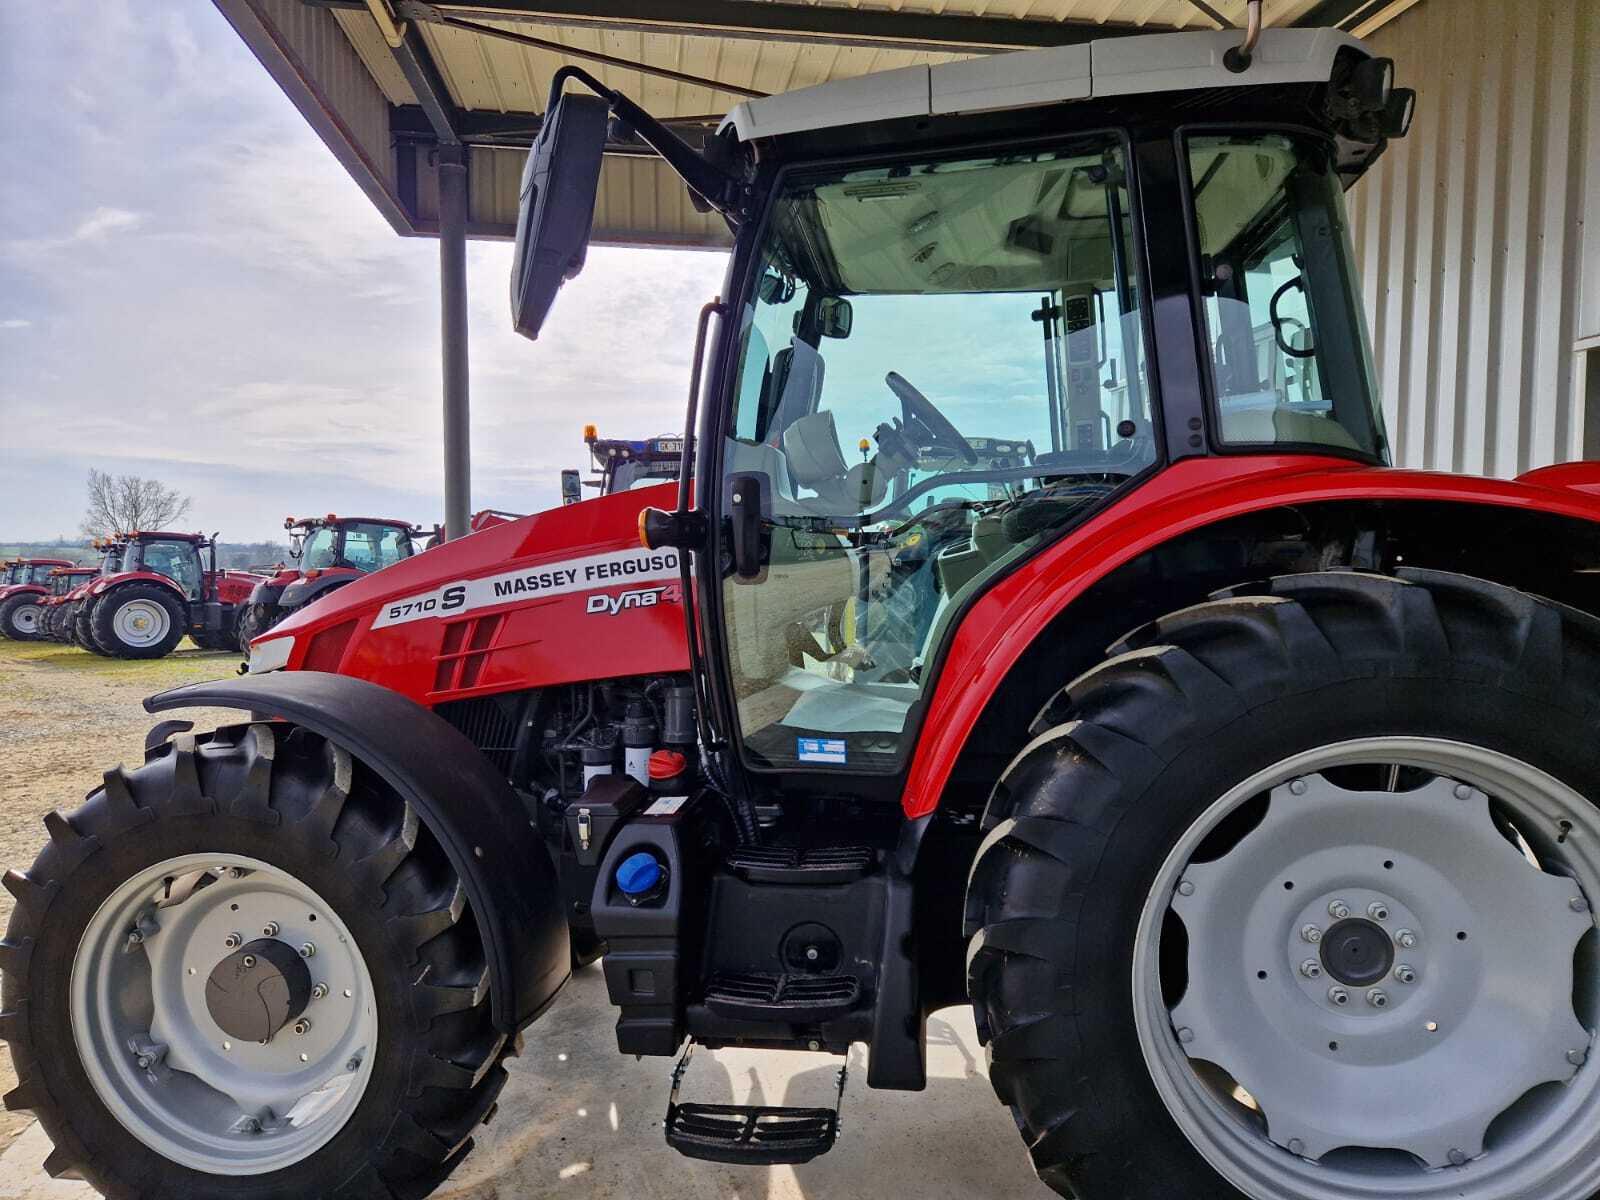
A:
(805, 42)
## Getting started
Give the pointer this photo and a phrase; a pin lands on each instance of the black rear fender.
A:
(484, 829)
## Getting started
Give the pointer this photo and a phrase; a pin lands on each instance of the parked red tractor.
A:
(26, 583)
(328, 553)
(55, 609)
(75, 629)
(165, 585)
(1244, 786)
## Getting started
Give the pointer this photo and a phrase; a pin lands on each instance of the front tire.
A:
(257, 619)
(1159, 1014)
(138, 620)
(119, 1048)
(19, 618)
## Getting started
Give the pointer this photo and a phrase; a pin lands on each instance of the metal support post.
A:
(452, 172)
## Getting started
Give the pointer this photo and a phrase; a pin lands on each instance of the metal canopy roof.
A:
(387, 83)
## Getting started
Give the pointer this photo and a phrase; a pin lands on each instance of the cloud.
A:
(103, 221)
(16, 323)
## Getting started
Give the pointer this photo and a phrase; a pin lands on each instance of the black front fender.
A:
(303, 591)
(509, 878)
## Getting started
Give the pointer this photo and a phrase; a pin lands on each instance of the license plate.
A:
(669, 446)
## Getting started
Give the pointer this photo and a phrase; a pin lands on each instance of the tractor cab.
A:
(173, 556)
(623, 464)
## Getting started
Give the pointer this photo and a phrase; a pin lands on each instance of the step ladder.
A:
(749, 1134)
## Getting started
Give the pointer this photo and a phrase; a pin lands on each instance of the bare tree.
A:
(124, 503)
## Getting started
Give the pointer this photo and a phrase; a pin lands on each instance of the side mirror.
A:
(571, 486)
(555, 212)
(834, 317)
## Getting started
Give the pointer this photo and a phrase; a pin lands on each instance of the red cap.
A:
(666, 764)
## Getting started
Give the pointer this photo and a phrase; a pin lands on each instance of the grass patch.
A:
(186, 664)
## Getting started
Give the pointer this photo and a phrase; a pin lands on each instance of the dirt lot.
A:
(67, 716)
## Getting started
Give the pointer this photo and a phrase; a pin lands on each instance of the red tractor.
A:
(165, 585)
(329, 552)
(70, 629)
(55, 609)
(26, 582)
(1244, 786)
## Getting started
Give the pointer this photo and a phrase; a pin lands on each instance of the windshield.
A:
(942, 368)
(1289, 354)
(13, 573)
(369, 546)
(321, 549)
(112, 562)
(40, 573)
(179, 561)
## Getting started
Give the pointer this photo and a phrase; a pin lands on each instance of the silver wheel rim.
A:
(141, 623)
(25, 618)
(159, 1062)
(1472, 1081)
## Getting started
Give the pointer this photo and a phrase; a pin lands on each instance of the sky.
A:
(192, 288)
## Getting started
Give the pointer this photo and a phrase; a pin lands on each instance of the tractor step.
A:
(807, 999)
(749, 1134)
(794, 864)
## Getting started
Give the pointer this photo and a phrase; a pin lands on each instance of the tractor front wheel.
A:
(138, 620)
(245, 970)
(1292, 899)
(257, 619)
(19, 617)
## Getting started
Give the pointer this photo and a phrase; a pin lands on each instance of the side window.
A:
(1284, 324)
(321, 549)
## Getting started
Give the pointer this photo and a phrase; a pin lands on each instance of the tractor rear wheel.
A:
(19, 617)
(55, 622)
(138, 620)
(246, 970)
(1290, 899)
(83, 628)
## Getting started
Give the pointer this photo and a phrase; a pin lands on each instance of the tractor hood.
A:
(557, 597)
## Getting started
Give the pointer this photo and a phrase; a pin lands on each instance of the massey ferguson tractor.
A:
(1243, 785)
(328, 553)
(163, 585)
(54, 609)
(26, 583)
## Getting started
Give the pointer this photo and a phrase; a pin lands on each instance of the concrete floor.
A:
(579, 1120)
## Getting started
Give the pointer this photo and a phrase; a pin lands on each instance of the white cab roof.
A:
(1162, 62)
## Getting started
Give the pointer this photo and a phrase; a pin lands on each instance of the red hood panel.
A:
(557, 597)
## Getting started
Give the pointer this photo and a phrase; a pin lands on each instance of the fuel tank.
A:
(557, 597)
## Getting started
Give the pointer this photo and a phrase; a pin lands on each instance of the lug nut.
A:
(1406, 938)
(1186, 888)
(1298, 787)
(1463, 792)
(1378, 910)
(1577, 1057)
(1310, 933)
(233, 941)
(353, 1065)
(1405, 974)
(270, 929)
(1578, 904)
(1378, 998)
(320, 992)
(302, 1026)
(1311, 969)
(307, 950)
(1339, 996)
(249, 961)
(1338, 910)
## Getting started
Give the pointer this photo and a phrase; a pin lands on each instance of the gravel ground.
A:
(66, 717)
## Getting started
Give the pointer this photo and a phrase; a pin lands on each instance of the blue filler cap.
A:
(638, 874)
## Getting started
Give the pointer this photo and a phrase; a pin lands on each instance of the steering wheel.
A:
(1278, 322)
(920, 413)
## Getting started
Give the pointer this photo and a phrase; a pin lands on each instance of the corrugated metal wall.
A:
(1472, 239)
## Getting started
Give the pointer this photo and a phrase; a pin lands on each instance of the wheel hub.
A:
(258, 989)
(1357, 952)
(1342, 879)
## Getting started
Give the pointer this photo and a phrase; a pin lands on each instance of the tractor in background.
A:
(27, 582)
(624, 463)
(328, 552)
(74, 628)
(165, 585)
(55, 609)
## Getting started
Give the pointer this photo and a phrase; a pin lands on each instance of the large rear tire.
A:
(19, 617)
(83, 629)
(258, 848)
(1290, 900)
(138, 620)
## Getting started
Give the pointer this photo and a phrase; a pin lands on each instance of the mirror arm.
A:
(715, 186)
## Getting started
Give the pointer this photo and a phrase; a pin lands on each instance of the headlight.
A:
(270, 655)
